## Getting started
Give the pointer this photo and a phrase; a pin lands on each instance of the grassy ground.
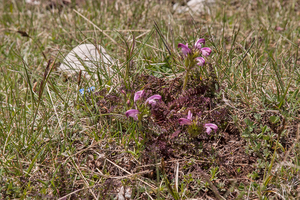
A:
(56, 143)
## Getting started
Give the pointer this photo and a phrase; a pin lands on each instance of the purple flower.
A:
(138, 95)
(187, 120)
(209, 127)
(205, 51)
(132, 113)
(190, 115)
(151, 100)
(199, 42)
(201, 61)
(183, 121)
(184, 48)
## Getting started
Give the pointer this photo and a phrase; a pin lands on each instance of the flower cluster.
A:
(196, 50)
(188, 121)
(151, 100)
(192, 57)
(88, 90)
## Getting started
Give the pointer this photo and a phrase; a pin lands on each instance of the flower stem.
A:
(189, 64)
(186, 78)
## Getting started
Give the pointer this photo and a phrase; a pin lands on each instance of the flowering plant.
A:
(91, 89)
(137, 96)
(132, 113)
(152, 100)
(188, 121)
(192, 56)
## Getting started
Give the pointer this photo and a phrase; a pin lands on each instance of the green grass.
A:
(55, 142)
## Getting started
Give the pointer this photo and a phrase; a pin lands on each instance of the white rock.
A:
(88, 58)
(33, 2)
(195, 6)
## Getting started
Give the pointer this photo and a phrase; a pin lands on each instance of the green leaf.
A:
(274, 119)
(249, 122)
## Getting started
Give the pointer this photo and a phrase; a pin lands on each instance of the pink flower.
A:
(132, 113)
(209, 127)
(200, 60)
(184, 48)
(151, 100)
(187, 120)
(199, 42)
(190, 115)
(183, 121)
(205, 51)
(138, 95)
